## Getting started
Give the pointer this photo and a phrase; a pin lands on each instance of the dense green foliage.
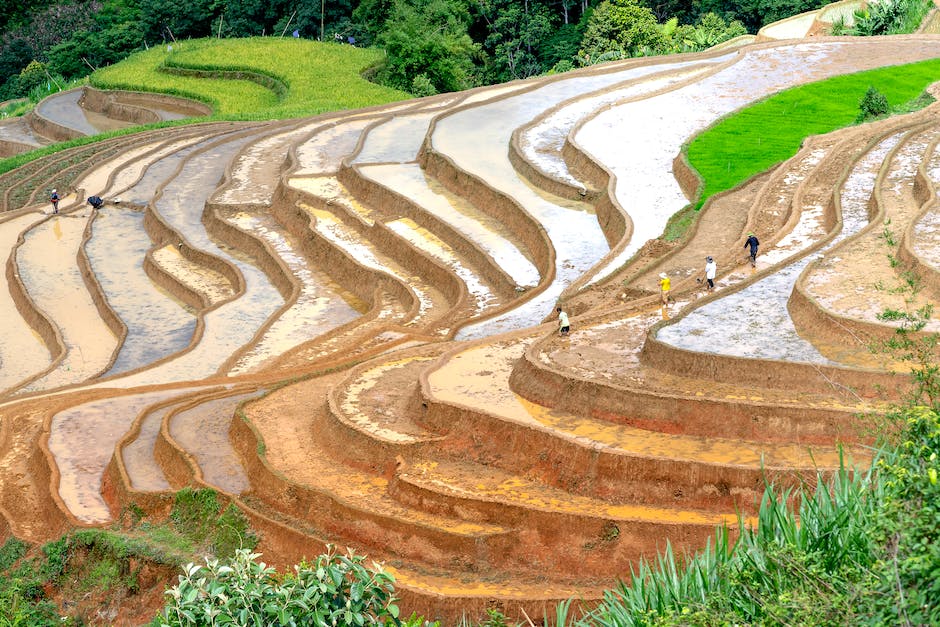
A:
(889, 17)
(108, 562)
(336, 589)
(752, 140)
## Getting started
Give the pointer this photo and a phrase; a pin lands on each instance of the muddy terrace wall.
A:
(373, 194)
(667, 413)
(135, 107)
(361, 281)
(494, 203)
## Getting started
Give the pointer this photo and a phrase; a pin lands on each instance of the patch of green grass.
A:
(754, 139)
(302, 77)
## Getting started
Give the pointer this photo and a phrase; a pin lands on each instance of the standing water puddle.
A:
(82, 441)
(202, 431)
(116, 253)
(754, 322)
(47, 266)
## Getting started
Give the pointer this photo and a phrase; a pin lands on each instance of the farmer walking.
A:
(711, 269)
(665, 284)
(54, 199)
(564, 327)
(753, 244)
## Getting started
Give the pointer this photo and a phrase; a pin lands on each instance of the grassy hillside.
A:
(255, 78)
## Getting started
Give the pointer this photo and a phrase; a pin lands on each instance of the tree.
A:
(620, 26)
(164, 20)
(428, 37)
(516, 35)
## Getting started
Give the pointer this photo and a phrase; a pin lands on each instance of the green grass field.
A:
(754, 139)
(318, 77)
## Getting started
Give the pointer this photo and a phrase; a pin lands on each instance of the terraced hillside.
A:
(337, 322)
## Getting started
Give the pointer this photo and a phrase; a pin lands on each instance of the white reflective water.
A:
(485, 232)
(639, 140)
(397, 140)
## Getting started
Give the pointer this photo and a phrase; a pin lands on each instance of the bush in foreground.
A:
(335, 590)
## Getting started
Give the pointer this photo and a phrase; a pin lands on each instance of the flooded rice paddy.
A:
(22, 351)
(754, 322)
(48, 269)
(82, 441)
(485, 232)
(320, 307)
(202, 431)
(116, 253)
(323, 152)
(638, 140)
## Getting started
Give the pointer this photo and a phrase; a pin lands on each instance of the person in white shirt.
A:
(711, 269)
(563, 325)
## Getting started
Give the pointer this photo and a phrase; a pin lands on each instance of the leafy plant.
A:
(337, 589)
(872, 105)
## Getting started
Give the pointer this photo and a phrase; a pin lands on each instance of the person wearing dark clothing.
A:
(753, 244)
(54, 199)
(95, 202)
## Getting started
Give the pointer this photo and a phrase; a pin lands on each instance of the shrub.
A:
(873, 104)
(334, 590)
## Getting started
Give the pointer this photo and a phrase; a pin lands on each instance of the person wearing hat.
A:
(664, 286)
(753, 243)
(54, 199)
(711, 269)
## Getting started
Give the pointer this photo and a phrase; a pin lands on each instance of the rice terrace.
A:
(339, 313)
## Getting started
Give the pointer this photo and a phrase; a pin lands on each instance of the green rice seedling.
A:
(728, 153)
(255, 78)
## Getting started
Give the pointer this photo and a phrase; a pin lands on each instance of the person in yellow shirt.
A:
(665, 285)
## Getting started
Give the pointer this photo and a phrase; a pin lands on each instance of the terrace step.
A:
(255, 173)
(431, 303)
(541, 149)
(562, 532)
(371, 410)
(294, 472)
(200, 430)
(116, 251)
(316, 305)
(433, 592)
(844, 310)
(469, 399)
(322, 153)
(26, 476)
(82, 440)
(598, 372)
(505, 261)
(662, 124)
(233, 324)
